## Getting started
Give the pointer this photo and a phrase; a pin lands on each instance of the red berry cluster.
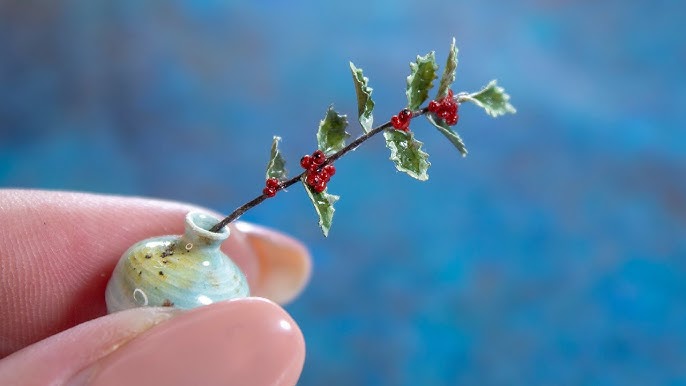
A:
(402, 120)
(317, 176)
(445, 109)
(271, 188)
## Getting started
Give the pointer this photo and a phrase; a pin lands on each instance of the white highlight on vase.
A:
(142, 294)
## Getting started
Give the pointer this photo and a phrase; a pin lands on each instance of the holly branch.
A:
(406, 150)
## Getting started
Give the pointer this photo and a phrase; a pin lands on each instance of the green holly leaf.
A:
(331, 134)
(407, 154)
(276, 168)
(365, 104)
(323, 204)
(421, 80)
(448, 76)
(449, 133)
(492, 99)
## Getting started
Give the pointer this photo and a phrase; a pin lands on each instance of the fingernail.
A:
(284, 263)
(248, 341)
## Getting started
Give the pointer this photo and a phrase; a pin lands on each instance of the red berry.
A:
(398, 124)
(269, 192)
(330, 169)
(405, 115)
(320, 187)
(324, 176)
(312, 179)
(273, 183)
(318, 157)
(306, 161)
(446, 108)
(395, 121)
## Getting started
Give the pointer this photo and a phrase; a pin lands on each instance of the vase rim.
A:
(200, 223)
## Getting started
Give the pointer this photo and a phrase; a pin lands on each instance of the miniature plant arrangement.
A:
(189, 270)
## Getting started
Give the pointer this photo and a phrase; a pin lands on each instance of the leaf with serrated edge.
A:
(323, 205)
(276, 168)
(365, 104)
(407, 154)
(331, 134)
(448, 76)
(493, 99)
(421, 80)
(449, 133)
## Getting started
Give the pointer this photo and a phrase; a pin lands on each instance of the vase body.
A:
(183, 271)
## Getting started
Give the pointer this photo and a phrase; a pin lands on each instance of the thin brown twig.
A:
(330, 159)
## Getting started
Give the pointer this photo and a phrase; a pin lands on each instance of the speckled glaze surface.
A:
(181, 271)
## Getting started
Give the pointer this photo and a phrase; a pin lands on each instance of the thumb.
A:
(249, 341)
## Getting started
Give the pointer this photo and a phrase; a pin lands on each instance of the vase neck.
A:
(198, 234)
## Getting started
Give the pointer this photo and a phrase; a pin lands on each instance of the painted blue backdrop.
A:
(554, 254)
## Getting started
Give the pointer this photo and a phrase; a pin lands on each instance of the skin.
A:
(57, 250)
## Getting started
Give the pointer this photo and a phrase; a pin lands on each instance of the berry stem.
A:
(329, 160)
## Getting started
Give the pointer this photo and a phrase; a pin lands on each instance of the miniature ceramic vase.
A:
(181, 271)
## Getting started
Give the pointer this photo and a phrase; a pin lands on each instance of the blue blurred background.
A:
(552, 254)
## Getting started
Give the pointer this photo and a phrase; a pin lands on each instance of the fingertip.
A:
(249, 341)
(283, 264)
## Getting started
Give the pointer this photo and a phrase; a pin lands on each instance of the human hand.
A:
(57, 251)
